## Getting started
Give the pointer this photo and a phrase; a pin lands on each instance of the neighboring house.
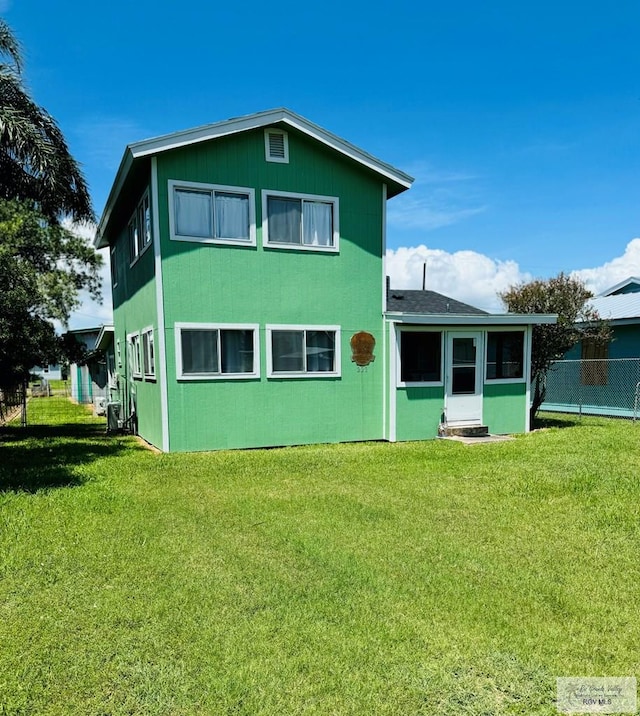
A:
(91, 377)
(247, 263)
(48, 372)
(603, 378)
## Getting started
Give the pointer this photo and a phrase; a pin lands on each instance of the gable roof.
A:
(428, 302)
(397, 181)
(629, 285)
(617, 307)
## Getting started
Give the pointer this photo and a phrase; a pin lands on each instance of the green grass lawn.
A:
(415, 578)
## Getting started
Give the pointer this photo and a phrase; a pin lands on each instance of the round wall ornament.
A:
(362, 345)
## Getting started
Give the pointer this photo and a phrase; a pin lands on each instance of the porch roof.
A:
(432, 308)
(411, 301)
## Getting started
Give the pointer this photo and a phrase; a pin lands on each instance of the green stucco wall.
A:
(134, 309)
(233, 284)
(418, 412)
(504, 407)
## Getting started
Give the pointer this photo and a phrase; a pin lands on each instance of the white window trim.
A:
(414, 383)
(267, 147)
(525, 356)
(113, 265)
(336, 373)
(175, 184)
(333, 200)
(218, 326)
(147, 331)
(118, 354)
(134, 217)
(134, 352)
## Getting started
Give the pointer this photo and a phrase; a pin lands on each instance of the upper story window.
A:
(276, 145)
(300, 221)
(420, 357)
(139, 228)
(211, 213)
(505, 355)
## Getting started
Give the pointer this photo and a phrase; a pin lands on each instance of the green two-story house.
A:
(250, 304)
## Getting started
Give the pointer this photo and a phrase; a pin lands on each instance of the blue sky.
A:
(519, 121)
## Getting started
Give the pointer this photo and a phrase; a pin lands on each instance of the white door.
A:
(464, 379)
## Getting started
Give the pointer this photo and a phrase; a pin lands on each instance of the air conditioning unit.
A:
(114, 419)
(100, 405)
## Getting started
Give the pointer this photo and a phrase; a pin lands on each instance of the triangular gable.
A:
(396, 180)
(629, 285)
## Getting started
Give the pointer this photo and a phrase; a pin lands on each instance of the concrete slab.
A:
(478, 440)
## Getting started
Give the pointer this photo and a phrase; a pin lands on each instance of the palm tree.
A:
(35, 162)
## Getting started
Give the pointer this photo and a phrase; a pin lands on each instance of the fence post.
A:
(23, 412)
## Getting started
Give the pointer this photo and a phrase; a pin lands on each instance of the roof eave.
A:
(473, 319)
(126, 162)
(265, 119)
(104, 337)
(612, 289)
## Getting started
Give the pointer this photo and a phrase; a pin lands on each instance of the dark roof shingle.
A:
(427, 302)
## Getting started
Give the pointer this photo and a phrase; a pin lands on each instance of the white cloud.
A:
(609, 274)
(477, 279)
(464, 275)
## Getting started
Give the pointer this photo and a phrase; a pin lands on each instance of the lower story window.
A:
(133, 345)
(296, 351)
(218, 351)
(505, 355)
(420, 357)
(148, 354)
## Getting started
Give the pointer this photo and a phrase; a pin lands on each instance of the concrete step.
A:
(466, 431)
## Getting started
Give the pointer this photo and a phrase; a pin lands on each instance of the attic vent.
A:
(276, 144)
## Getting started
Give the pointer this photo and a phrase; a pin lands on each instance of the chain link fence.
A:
(12, 404)
(594, 387)
(46, 402)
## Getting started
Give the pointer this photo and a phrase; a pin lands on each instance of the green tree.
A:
(43, 268)
(35, 162)
(568, 298)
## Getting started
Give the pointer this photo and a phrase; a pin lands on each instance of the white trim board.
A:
(487, 320)
(160, 344)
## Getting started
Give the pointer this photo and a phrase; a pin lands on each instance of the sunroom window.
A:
(505, 355)
(420, 356)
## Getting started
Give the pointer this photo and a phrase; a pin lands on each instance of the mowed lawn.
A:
(416, 578)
